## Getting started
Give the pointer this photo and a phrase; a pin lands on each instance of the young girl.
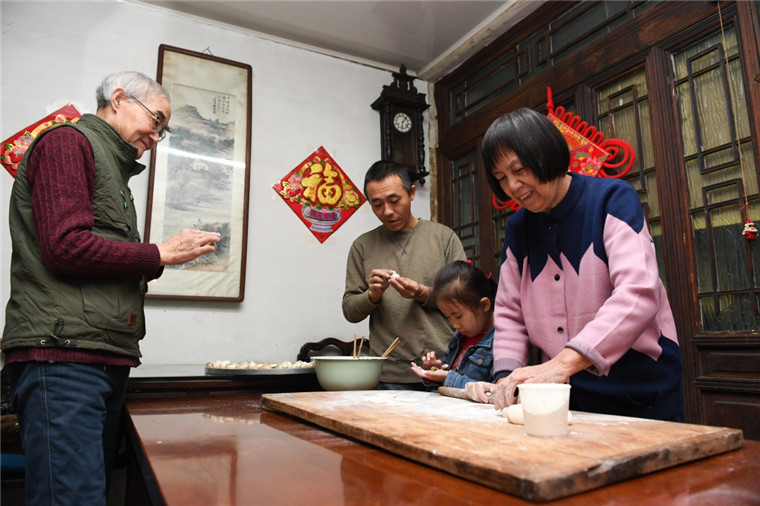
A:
(465, 296)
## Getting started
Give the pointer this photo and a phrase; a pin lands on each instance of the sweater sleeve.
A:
(511, 344)
(632, 273)
(356, 304)
(61, 173)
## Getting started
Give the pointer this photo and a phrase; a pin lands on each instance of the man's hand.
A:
(381, 279)
(410, 289)
(378, 282)
(187, 245)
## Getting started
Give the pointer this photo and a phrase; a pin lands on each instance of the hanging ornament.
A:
(750, 230)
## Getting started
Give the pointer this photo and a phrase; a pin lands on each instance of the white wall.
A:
(57, 52)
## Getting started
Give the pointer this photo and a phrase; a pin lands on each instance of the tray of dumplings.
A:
(251, 368)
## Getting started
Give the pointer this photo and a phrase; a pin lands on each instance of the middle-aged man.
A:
(389, 273)
(79, 275)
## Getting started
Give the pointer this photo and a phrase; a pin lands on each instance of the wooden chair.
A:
(330, 346)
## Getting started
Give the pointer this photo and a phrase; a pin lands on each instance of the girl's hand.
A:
(429, 361)
(437, 376)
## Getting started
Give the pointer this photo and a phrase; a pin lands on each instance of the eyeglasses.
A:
(158, 121)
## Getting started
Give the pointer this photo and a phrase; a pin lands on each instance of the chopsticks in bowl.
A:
(357, 353)
(390, 348)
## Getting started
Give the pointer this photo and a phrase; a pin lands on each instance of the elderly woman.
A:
(79, 275)
(578, 281)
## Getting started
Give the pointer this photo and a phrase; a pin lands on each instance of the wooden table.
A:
(219, 447)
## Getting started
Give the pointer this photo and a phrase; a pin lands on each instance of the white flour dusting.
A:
(425, 404)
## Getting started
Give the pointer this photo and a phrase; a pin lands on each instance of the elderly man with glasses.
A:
(79, 274)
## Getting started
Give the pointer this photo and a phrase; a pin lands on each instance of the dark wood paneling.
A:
(734, 409)
(729, 363)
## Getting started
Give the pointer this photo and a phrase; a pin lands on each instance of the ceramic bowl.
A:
(348, 373)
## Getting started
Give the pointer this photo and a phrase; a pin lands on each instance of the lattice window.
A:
(563, 36)
(721, 181)
(465, 195)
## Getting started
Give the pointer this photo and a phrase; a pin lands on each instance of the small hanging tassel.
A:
(750, 230)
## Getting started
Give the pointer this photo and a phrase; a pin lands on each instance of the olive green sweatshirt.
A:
(418, 254)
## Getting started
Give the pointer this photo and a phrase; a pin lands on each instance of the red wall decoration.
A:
(320, 194)
(13, 148)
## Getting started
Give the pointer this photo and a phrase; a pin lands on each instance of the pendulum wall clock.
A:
(402, 138)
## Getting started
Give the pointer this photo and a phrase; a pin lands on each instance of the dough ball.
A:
(394, 274)
(514, 414)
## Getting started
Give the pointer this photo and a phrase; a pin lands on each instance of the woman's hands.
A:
(557, 370)
(479, 391)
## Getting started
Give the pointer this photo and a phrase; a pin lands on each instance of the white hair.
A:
(135, 84)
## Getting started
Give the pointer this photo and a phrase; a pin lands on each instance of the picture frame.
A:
(200, 174)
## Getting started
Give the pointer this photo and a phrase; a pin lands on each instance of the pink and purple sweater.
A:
(584, 276)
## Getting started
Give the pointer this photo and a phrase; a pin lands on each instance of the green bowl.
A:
(348, 373)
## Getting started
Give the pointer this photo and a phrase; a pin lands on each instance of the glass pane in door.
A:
(464, 198)
(722, 182)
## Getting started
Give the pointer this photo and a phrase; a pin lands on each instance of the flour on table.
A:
(425, 404)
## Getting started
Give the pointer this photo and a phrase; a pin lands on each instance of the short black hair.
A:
(464, 283)
(535, 140)
(383, 169)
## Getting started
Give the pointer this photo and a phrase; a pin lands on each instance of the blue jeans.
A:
(70, 420)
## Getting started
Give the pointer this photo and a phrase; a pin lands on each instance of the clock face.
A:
(402, 122)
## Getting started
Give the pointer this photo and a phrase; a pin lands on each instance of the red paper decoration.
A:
(320, 194)
(13, 148)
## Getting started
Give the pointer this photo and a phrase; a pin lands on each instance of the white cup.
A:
(545, 408)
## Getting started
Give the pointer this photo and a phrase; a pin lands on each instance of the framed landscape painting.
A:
(199, 175)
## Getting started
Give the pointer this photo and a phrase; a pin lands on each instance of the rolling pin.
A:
(458, 393)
